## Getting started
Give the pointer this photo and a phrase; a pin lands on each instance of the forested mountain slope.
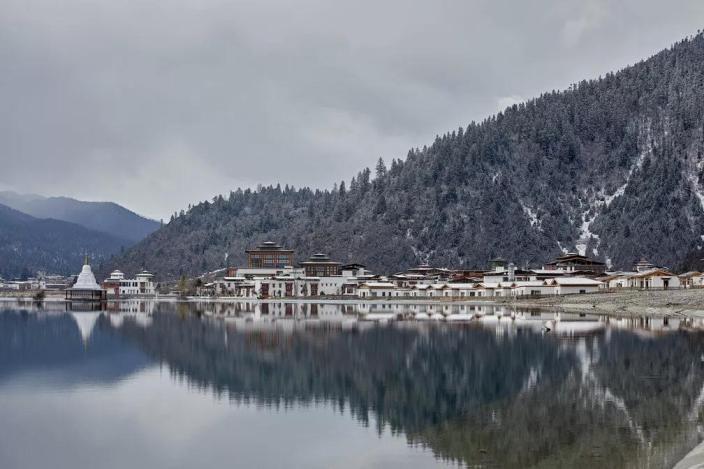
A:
(107, 217)
(29, 244)
(611, 167)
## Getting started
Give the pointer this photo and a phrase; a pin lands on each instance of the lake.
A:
(184, 385)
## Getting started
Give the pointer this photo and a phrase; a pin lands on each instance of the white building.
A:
(692, 280)
(376, 289)
(571, 285)
(654, 278)
(142, 285)
(532, 288)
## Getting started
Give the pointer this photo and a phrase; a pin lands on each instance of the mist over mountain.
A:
(611, 167)
(29, 244)
(107, 217)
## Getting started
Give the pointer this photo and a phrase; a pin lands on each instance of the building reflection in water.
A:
(507, 388)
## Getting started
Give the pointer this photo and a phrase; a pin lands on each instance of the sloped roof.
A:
(654, 273)
(576, 281)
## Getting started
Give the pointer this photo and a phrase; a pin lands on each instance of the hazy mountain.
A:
(29, 244)
(612, 167)
(107, 217)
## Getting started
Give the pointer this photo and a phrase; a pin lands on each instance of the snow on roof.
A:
(654, 272)
(581, 281)
(378, 285)
(529, 283)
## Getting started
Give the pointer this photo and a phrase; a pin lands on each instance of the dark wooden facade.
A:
(320, 265)
(576, 262)
(269, 255)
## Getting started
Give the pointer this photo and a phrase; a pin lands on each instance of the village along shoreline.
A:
(630, 303)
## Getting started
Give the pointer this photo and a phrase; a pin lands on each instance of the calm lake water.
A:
(166, 385)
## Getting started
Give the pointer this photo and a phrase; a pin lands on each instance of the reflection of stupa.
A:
(86, 323)
(86, 288)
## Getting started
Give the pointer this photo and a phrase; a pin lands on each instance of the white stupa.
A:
(86, 288)
(86, 280)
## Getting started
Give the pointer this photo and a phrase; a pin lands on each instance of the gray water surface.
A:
(166, 385)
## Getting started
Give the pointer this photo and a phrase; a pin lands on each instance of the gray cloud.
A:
(156, 103)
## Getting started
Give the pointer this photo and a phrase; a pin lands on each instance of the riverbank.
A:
(656, 303)
(653, 303)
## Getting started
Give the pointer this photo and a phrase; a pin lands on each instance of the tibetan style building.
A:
(269, 255)
(573, 262)
(86, 288)
(320, 265)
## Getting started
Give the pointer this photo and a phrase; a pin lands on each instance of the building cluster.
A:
(84, 284)
(86, 288)
(42, 281)
(270, 274)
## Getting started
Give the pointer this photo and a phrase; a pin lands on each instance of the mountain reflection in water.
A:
(496, 391)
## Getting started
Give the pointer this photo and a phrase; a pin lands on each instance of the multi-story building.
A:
(573, 262)
(118, 286)
(320, 265)
(269, 255)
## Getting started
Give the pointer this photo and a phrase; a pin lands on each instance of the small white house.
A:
(376, 290)
(571, 285)
(532, 288)
(618, 280)
(692, 279)
(332, 286)
(655, 278)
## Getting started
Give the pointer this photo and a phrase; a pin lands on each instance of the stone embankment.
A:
(657, 303)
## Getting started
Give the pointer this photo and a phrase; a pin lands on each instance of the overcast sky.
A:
(156, 104)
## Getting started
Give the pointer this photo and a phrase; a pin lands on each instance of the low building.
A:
(572, 285)
(532, 288)
(692, 279)
(617, 279)
(332, 286)
(661, 279)
(288, 286)
(239, 287)
(376, 289)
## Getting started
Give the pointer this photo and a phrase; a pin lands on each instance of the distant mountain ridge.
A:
(29, 244)
(107, 217)
(612, 167)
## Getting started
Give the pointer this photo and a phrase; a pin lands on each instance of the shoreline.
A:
(685, 303)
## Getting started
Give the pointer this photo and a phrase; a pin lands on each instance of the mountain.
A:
(107, 217)
(611, 167)
(29, 244)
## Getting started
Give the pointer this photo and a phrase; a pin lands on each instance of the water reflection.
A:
(506, 388)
